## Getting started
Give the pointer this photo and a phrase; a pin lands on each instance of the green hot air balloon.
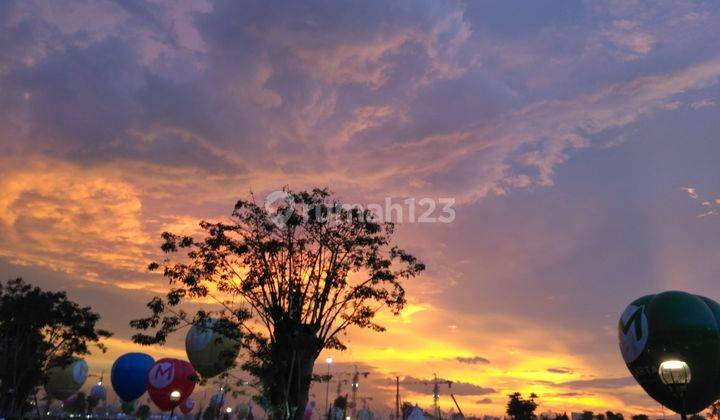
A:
(63, 381)
(673, 327)
(212, 346)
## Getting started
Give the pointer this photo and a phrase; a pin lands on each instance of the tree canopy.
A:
(520, 408)
(292, 277)
(39, 328)
(614, 416)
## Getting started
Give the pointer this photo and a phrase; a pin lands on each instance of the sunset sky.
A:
(578, 139)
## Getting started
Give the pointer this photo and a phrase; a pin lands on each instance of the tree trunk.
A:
(13, 401)
(305, 370)
(12, 408)
(292, 358)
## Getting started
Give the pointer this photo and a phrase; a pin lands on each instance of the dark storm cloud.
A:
(84, 96)
(370, 88)
(97, 98)
(475, 360)
(456, 387)
(566, 394)
(561, 370)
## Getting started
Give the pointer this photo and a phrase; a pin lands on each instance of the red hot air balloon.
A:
(187, 406)
(168, 375)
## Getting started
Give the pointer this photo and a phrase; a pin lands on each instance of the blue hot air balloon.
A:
(98, 392)
(129, 375)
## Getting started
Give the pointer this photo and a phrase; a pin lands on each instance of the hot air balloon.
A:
(70, 400)
(129, 375)
(365, 414)
(63, 381)
(681, 329)
(98, 392)
(187, 406)
(415, 413)
(167, 376)
(309, 408)
(212, 346)
(217, 400)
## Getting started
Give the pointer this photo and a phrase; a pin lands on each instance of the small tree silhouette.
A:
(614, 416)
(143, 412)
(520, 408)
(38, 329)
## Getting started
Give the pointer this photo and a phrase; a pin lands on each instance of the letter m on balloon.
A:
(634, 321)
(633, 332)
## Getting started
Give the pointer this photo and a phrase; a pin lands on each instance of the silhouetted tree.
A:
(307, 270)
(639, 417)
(600, 416)
(614, 416)
(143, 412)
(38, 328)
(520, 408)
(587, 415)
(562, 416)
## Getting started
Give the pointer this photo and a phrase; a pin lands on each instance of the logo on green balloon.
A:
(633, 332)
(199, 337)
(80, 371)
(673, 326)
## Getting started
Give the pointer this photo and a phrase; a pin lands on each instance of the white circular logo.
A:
(198, 337)
(80, 371)
(280, 205)
(633, 332)
(161, 375)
